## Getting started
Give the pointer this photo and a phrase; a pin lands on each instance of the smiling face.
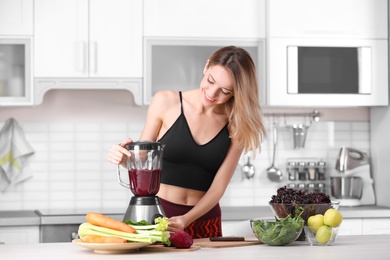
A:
(216, 85)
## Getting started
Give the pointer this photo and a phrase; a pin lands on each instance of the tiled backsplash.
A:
(70, 168)
(323, 142)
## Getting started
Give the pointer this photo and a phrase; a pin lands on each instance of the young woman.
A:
(205, 131)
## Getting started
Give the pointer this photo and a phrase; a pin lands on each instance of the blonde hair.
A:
(245, 114)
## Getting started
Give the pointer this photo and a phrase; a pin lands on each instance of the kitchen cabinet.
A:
(178, 64)
(16, 17)
(365, 19)
(19, 235)
(237, 228)
(16, 43)
(203, 18)
(15, 71)
(82, 44)
(376, 226)
(88, 39)
(351, 227)
(365, 226)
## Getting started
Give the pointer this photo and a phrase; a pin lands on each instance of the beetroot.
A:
(181, 239)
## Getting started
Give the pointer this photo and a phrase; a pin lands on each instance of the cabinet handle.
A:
(74, 235)
(94, 57)
(82, 57)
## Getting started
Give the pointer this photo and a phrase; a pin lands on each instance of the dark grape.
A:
(291, 196)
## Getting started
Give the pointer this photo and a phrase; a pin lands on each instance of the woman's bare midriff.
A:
(180, 195)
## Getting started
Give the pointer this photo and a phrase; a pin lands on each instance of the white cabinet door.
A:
(19, 235)
(81, 38)
(376, 226)
(237, 228)
(61, 38)
(351, 227)
(328, 18)
(204, 18)
(15, 71)
(115, 35)
(16, 17)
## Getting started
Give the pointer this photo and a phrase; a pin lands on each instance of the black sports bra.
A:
(187, 164)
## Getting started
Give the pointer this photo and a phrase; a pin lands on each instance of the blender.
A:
(352, 185)
(144, 170)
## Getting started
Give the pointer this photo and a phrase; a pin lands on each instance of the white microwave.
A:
(327, 72)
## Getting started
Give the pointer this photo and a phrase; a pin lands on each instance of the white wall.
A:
(72, 131)
(380, 125)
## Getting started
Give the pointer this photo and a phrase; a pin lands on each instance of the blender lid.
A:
(145, 145)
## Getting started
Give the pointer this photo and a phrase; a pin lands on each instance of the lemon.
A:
(315, 222)
(333, 218)
(323, 235)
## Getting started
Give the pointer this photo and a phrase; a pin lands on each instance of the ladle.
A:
(248, 169)
(274, 174)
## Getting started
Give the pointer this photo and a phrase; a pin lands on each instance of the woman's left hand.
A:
(176, 224)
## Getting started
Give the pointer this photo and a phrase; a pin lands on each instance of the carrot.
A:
(107, 222)
(103, 239)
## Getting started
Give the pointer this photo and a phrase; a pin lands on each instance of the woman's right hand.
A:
(117, 154)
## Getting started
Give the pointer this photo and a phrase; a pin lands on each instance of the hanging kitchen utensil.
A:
(299, 132)
(248, 169)
(273, 173)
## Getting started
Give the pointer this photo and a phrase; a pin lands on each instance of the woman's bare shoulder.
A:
(166, 94)
(166, 99)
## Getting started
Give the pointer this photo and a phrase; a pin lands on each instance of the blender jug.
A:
(144, 168)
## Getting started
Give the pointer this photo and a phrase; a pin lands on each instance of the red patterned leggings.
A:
(208, 225)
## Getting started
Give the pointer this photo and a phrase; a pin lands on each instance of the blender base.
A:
(144, 208)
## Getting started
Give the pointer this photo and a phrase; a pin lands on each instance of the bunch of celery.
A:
(145, 233)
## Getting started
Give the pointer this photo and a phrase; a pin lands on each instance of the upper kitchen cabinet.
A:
(177, 64)
(328, 18)
(203, 18)
(16, 17)
(61, 38)
(88, 44)
(81, 38)
(16, 44)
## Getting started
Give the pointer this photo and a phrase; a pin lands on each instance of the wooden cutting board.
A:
(162, 248)
(202, 242)
(205, 242)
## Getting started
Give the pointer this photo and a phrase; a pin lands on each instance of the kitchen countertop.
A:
(346, 247)
(19, 218)
(37, 217)
(31, 217)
